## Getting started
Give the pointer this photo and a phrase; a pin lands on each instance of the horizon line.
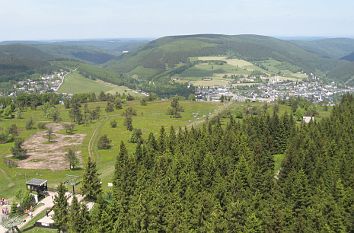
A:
(283, 37)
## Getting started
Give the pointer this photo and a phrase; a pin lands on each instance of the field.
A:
(13, 179)
(75, 83)
(211, 73)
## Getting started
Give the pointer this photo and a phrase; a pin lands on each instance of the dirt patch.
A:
(44, 155)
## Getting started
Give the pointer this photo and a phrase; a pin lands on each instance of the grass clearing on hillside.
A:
(185, 45)
(209, 69)
(75, 83)
(215, 81)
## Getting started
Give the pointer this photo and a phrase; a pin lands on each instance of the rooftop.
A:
(36, 182)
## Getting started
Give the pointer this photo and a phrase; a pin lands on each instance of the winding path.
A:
(95, 133)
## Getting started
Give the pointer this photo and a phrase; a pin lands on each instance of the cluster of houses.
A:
(212, 93)
(312, 89)
(46, 83)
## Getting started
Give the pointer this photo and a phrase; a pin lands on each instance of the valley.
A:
(204, 120)
(177, 116)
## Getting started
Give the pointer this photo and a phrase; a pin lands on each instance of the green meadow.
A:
(75, 83)
(210, 73)
(149, 118)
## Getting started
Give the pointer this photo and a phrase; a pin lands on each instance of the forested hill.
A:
(221, 178)
(331, 48)
(168, 52)
(349, 57)
(18, 61)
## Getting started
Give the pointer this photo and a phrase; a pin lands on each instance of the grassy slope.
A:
(92, 71)
(75, 83)
(270, 67)
(13, 179)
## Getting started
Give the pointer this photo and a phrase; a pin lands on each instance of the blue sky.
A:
(88, 19)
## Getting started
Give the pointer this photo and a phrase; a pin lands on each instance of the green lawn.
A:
(149, 118)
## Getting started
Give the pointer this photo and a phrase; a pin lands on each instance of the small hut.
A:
(38, 185)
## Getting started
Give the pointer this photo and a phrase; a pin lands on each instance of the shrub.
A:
(104, 143)
(128, 122)
(69, 128)
(130, 112)
(6, 138)
(13, 130)
(29, 124)
(136, 136)
(143, 102)
(109, 107)
(41, 125)
(114, 124)
(17, 150)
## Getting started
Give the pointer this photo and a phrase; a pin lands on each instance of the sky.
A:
(95, 19)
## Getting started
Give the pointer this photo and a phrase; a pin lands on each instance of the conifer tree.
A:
(120, 166)
(84, 219)
(61, 209)
(91, 185)
(74, 215)
(162, 139)
(172, 140)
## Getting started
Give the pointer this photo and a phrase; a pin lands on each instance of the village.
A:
(265, 89)
(46, 83)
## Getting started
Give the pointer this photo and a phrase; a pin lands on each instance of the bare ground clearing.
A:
(44, 155)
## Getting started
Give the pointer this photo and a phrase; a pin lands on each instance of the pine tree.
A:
(121, 163)
(84, 220)
(162, 139)
(61, 209)
(91, 185)
(172, 140)
(128, 122)
(74, 216)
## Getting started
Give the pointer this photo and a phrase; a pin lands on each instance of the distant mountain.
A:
(111, 46)
(169, 55)
(349, 57)
(18, 60)
(87, 54)
(92, 51)
(330, 48)
(343, 73)
(166, 53)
